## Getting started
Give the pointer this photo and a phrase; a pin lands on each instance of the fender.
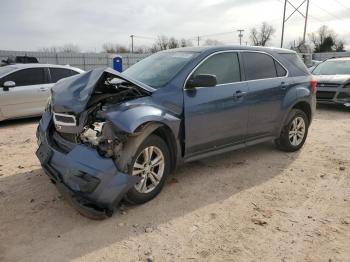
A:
(300, 93)
(139, 121)
(129, 118)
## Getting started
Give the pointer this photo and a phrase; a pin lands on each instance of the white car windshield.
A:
(333, 68)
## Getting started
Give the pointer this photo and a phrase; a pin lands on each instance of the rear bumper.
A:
(91, 183)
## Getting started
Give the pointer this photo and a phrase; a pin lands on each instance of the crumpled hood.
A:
(336, 79)
(71, 95)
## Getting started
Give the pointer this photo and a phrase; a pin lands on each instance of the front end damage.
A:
(86, 155)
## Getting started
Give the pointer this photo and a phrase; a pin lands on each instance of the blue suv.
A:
(107, 136)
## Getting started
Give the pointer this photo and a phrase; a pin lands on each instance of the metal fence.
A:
(85, 61)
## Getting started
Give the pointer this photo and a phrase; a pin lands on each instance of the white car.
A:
(25, 88)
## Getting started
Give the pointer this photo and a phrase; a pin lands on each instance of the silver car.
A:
(25, 88)
(333, 77)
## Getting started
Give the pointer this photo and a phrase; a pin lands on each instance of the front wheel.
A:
(294, 133)
(152, 164)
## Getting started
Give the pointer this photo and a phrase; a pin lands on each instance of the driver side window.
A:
(225, 66)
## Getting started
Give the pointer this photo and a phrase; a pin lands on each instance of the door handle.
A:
(43, 89)
(239, 94)
(283, 85)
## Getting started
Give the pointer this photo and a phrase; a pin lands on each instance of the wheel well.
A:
(305, 107)
(165, 133)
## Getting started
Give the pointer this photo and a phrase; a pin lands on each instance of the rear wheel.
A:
(152, 164)
(294, 133)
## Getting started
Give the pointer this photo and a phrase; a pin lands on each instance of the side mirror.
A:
(201, 81)
(8, 84)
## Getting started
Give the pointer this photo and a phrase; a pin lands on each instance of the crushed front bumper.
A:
(91, 183)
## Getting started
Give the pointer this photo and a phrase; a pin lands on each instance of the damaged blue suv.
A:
(107, 136)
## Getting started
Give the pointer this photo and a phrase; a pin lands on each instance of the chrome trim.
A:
(236, 51)
(57, 122)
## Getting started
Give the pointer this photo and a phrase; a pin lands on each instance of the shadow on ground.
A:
(33, 214)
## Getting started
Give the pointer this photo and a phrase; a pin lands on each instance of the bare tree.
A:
(173, 43)
(262, 35)
(325, 40)
(67, 48)
(212, 42)
(185, 42)
(114, 48)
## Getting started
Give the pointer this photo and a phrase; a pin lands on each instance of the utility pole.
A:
(132, 43)
(295, 9)
(307, 14)
(240, 35)
(198, 38)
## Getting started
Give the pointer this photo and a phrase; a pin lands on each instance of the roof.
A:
(34, 65)
(201, 49)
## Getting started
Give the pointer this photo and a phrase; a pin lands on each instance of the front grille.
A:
(64, 119)
(328, 85)
(325, 95)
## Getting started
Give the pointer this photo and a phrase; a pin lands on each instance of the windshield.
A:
(158, 69)
(6, 69)
(333, 68)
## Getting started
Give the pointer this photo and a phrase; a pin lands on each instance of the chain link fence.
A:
(85, 61)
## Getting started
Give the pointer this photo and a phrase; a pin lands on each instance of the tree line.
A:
(322, 40)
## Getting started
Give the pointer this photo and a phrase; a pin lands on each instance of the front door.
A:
(216, 116)
(29, 95)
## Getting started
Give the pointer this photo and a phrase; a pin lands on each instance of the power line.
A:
(341, 4)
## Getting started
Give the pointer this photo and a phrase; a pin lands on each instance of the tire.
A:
(146, 189)
(290, 139)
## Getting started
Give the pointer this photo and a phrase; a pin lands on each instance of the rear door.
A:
(268, 84)
(29, 95)
(57, 73)
(216, 116)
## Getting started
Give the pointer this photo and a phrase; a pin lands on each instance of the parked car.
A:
(106, 136)
(333, 77)
(19, 60)
(314, 63)
(25, 88)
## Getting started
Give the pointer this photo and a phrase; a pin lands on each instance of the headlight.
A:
(48, 105)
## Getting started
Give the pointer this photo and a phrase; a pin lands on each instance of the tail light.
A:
(313, 85)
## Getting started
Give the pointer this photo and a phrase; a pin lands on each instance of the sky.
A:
(34, 24)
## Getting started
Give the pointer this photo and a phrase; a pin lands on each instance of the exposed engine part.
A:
(95, 136)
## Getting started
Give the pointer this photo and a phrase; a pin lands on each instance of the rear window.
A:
(59, 73)
(295, 60)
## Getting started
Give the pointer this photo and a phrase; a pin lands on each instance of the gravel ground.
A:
(255, 204)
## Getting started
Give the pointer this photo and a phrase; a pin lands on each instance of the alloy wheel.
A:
(297, 131)
(149, 165)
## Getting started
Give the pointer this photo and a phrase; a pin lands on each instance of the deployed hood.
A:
(336, 79)
(72, 95)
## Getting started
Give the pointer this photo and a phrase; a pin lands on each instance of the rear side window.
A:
(280, 70)
(296, 61)
(259, 66)
(26, 77)
(59, 73)
(225, 66)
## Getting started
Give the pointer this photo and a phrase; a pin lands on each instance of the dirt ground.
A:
(255, 204)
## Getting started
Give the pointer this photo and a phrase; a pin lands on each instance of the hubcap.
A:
(149, 165)
(297, 131)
